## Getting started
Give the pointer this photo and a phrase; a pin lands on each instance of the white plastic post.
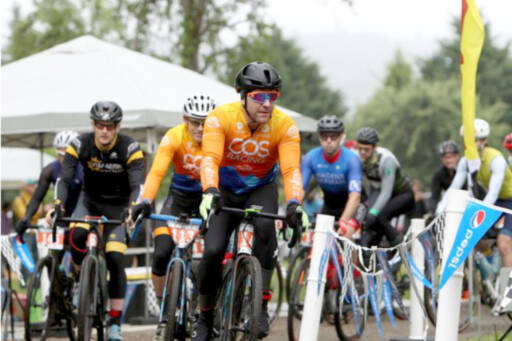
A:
(314, 295)
(417, 320)
(448, 311)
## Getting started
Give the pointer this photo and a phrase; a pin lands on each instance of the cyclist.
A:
(181, 145)
(337, 171)
(389, 192)
(496, 177)
(242, 143)
(49, 176)
(113, 175)
(507, 143)
(449, 153)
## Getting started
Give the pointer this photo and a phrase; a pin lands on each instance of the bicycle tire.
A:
(87, 299)
(297, 297)
(296, 258)
(45, 268)
(245, 301)
(171, 328)
(464, 321)
(343, 319)
(278, 279)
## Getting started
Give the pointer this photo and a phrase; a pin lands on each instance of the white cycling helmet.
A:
(64, 138)
(482, 129)
(198, 106)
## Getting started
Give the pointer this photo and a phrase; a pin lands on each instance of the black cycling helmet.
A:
(330, 124)
(106, 111)
(448, 147)
(257, 75)
(367, 135)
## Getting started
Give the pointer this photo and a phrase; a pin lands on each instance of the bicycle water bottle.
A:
(496, 261)
(485, 268)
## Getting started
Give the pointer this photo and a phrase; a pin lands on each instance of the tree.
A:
(399, 72)
(52, 22)
(304, 89)
(494, 76)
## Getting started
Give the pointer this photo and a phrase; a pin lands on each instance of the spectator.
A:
(6, 219)
(19, 204)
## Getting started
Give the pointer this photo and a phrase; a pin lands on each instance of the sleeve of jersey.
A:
(66, 171)
(42, 188)
(213, 150)
(388, 175)
(307, 170)
(355, 175)
(160, 165)
(135, 169)
(289, 161)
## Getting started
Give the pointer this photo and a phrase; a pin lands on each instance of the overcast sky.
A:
(352, 45)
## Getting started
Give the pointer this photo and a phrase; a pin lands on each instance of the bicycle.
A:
(49, 291)
(239, 301)
(93, 291)
(177, 309)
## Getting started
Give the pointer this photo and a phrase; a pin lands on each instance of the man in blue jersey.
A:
(337, 171)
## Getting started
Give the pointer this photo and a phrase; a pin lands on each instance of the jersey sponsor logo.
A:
(239, 125)
(293, 131)
(265, 128)
(132, 147)
(354, 186)
(113, 155)
(248, 150)
(212, 122)
(97, 165)
(192, 163)
(244, 167)
(165, 141)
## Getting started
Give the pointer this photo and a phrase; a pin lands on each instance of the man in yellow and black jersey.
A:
(113, 175)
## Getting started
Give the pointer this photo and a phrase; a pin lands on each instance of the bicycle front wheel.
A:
(244, 305)
(88, 298)
(175, 317)
(40, 309)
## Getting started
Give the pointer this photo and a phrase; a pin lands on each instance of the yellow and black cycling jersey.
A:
(113, 175)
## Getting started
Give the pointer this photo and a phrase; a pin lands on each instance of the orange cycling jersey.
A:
(179, 147)
(245, 160)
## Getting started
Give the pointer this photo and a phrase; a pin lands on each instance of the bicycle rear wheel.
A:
(295, 260)
(244, 305)
(276, 285)
(88, 298)
(174, 313)
(349, 326)
(41, 301)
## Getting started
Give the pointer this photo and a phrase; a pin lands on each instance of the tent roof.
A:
(54, 89)
(20, 165)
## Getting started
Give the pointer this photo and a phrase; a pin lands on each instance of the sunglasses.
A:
(102, 126)
(263, 96)
(195, 123)
(332, 137)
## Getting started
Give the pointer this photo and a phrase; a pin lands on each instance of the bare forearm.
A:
(354, 198)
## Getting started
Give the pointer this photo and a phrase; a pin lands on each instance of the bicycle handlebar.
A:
(166, 218)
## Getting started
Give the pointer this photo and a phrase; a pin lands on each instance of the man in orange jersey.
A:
(242, 145)
(181, 145)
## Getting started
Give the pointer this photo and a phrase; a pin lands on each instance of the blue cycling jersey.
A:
(342, 174)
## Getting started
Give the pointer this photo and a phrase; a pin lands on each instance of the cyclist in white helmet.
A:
(496, 177)
(181, 145)
(49, 176)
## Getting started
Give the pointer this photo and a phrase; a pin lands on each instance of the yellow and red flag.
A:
(472, 40)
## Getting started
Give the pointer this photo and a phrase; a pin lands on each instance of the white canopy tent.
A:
(20, 165)
(54, 90)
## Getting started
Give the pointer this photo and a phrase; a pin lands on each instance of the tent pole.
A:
(41, 146)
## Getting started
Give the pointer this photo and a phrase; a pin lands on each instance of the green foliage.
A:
(399, 73)
(52, 22)
(494, 76)
(304, 89)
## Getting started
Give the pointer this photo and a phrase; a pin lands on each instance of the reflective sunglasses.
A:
(263, 96)
(108, 126)
(331, 136)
